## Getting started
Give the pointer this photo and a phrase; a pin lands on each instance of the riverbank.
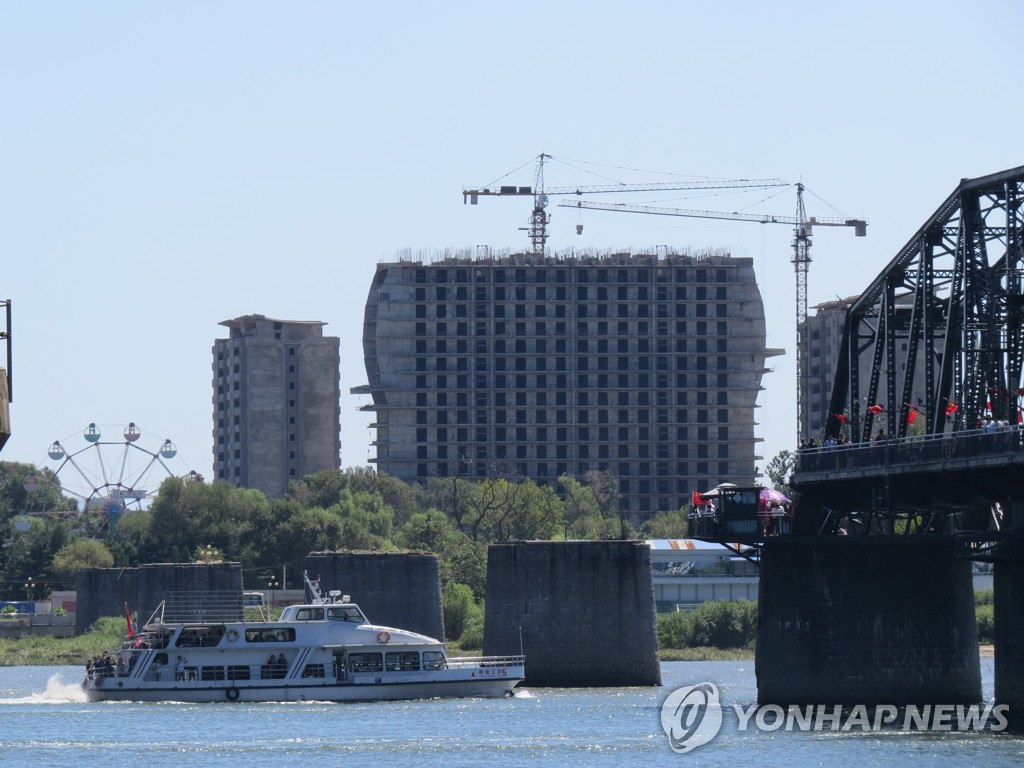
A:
(44, 651)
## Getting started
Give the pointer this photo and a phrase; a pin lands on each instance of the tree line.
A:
(355, 509)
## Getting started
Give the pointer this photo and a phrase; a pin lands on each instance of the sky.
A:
(168, 166)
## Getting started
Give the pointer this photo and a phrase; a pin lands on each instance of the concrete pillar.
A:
(866, 620)
(583, 611)
(394, 589)
(193, 591)
(1008, 586)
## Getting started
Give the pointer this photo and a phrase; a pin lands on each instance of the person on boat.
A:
(156, 669)
(179, 668)
(282, 664)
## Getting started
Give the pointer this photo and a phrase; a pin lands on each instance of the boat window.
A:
(346, 613)
(199, 637)
(314, 670)
(270, 635)
(403, 661)
(434, 660)
(211, 673)
(365, 662)
(239, 673)
(309, 614)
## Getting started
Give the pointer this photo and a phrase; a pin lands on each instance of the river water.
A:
(44, 721)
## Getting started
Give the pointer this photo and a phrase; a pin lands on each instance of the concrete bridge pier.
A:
(867, 620)
(582, 611)
(1008, 583)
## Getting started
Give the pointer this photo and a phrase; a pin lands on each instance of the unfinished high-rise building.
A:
(276, 402)
(646, 366)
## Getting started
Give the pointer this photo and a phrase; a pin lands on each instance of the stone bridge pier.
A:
(868, 620)
(1008, 582)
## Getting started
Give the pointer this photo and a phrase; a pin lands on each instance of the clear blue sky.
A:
(166, 166)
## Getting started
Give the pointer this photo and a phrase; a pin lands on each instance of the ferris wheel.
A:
(106, 477)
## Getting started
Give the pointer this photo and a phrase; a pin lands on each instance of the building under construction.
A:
(645, 365)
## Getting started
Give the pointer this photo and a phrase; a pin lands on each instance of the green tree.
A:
(605, 487)
(16, 499)
(459, 608)
(308, 530)
(462, 560)
(186, 516)
(131, 542)
(779, 470)
(583, 516)
(667, 525)
(31, 552)
(78, 555)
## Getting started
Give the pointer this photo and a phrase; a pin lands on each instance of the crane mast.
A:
(801, 261)
(802, 230)
(539, 217)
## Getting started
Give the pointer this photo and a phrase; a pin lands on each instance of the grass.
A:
(43, 651)
(706, 653)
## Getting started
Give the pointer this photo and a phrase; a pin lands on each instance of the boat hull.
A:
(113, 689)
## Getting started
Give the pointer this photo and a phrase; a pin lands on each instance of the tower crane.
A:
(802, 229)
(539, 217)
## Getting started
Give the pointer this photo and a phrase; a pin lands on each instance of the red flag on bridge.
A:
(842, 418)
(912, 411)
(951, 409)
(876, 409)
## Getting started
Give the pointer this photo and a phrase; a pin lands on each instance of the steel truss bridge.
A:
(932, 354)
(962, 340)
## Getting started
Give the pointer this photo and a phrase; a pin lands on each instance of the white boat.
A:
(325, 650)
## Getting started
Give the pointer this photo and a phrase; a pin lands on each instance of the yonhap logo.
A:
(691, 716)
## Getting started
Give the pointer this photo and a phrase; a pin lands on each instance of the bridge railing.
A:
(955, 446)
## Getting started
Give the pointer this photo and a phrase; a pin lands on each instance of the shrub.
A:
(985, 614)
(717, 623)
(473, 633)
(459, 609)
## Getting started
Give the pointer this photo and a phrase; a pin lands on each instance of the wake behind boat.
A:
(325, 650)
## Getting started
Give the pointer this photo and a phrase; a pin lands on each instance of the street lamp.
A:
(30, 587)
(273, 584)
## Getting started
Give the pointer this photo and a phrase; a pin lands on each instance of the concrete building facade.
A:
(276, 402)
(646, 366)
(688, 572)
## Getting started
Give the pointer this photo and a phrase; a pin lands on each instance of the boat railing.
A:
(464, 662)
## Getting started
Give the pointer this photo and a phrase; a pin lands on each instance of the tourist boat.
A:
(324, 650)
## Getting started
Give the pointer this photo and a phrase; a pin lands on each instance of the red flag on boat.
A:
(697, 499)
(128, 620)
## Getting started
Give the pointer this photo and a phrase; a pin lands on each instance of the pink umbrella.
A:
(771, 497)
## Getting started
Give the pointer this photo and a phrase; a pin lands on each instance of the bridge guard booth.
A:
(743, 517)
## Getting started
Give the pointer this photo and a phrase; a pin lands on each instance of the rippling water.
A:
(45, 721)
